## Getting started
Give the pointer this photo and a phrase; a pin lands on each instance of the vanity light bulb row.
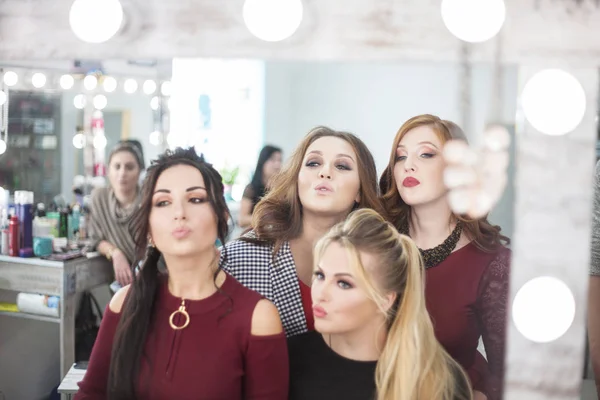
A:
(90, 82)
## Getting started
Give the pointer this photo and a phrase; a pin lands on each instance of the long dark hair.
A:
(257, 182)
(137, 311)
(278, 216)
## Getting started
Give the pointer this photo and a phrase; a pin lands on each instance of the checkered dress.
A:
(252, 265)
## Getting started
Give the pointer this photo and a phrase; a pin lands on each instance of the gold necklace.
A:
(181, 310)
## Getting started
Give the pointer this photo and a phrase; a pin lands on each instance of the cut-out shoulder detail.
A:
(116, 303)
(265, 319)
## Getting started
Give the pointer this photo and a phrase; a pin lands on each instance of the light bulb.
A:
(110, 84)
(66, 82)
(149, 86)
(154, 103)
(154, 138)
(130, 86)
(95, 21)
(79, 141)
(543, 309)
(38, 80)
(79, 101)
(553, 102)
(99, 142)
(474, 21)
(166, 88)
(2, 146)
(90, 82)
(11, 78)
(272, 20)
(100, 101)
(3, 97)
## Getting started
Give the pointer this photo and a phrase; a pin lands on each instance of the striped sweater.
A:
(108, 221)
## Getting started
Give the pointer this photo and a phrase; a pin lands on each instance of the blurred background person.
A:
(268, 165)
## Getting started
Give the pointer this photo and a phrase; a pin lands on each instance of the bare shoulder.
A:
(265, 319)
(116, 303)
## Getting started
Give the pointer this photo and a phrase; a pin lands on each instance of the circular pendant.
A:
(183, 312)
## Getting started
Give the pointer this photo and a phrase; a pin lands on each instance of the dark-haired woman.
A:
(195, 332)
(268, 165)
(112, 208)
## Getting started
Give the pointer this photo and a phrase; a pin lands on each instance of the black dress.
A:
(317, 372)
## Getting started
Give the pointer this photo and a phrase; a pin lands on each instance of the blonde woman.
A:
(374, 338)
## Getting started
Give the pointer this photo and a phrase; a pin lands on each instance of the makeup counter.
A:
(44, 269)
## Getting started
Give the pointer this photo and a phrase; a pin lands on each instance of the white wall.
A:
(372, 100)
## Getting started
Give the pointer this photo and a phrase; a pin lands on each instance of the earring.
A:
(150, 242)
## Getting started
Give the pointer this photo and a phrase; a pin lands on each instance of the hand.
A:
(476, 179)
(478, 395)
(121, 267)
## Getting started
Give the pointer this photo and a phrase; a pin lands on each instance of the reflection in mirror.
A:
(61, 131)
(62, 119)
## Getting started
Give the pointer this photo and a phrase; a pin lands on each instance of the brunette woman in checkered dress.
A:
(330, 174)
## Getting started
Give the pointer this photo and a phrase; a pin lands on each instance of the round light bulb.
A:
(100, 101)
(166, 88)
(474, 21)
(11, 78)
(553, 102)
(154, 138)
(130, 86)
(95, 21)
(2, 146)
(154, 103)
(90, 82)
(272, 20)
(99, 142)
(38, 80)
(66, 82)
(543, 309)
(79, 101)
(149, 86)
(79, 141)
(3, 97)
(110, 84)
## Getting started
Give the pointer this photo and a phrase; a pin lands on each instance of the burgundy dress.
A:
(467, 298)
(214, 357)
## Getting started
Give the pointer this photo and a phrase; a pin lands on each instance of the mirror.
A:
(60, 133)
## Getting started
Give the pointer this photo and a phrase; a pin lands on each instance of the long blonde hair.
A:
(412, 365)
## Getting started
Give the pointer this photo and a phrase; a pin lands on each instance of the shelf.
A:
(30, 316)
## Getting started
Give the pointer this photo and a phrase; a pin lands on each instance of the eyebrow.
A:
(190, 189)
(338, 274)
(337, 155)
(420, 143)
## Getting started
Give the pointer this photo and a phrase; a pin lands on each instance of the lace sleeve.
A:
(595, 260)
(492, 314)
